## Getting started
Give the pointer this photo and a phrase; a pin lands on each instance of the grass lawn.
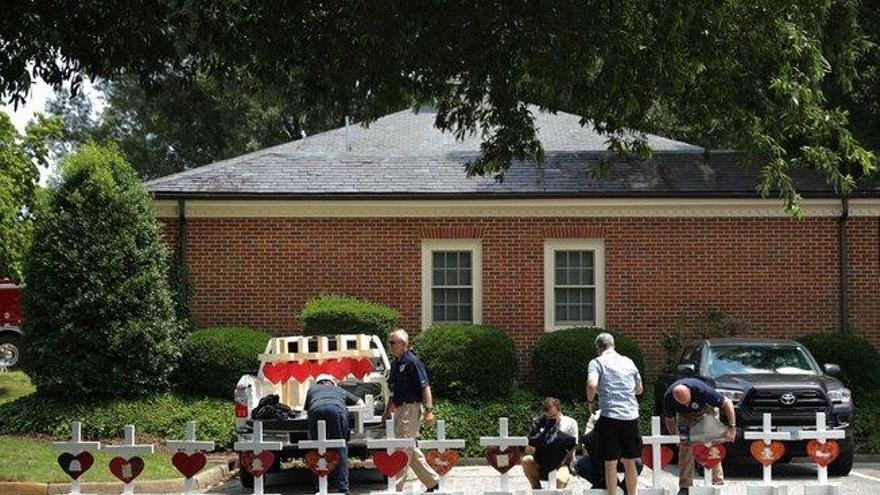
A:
(14, 384)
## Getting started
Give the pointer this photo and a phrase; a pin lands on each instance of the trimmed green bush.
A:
(859, 360)
(98, 316)
(560, 360)
(214, 359)
(467, 361)
(331, 315)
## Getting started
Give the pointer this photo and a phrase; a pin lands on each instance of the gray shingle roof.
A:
(404, 155)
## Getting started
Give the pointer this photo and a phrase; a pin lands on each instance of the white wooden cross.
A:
(822, 434)
(322, 444)
(656, 440)
(257, 445)
(128, 450)
(190, 446)
(361, 413)
(75, 447)
(390, 443)
(767, 435)
(503, 441)
(442, 445)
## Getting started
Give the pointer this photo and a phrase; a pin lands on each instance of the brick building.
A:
(387, 213)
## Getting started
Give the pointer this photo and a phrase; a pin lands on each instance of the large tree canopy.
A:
(754, 75)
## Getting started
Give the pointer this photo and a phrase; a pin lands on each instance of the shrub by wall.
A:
(859, 360)
(560, 360)
(214, 359)
(467, 361)
(331, 315)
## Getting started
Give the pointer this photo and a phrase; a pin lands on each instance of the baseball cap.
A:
(325, 377)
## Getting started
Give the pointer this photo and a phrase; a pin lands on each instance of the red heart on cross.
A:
(709, 456)
(823, 454)
(390, 465)
(648, 456)
(767, 454)
(442, 462)
(126, 470)
(75, 465)
(503, 460)
(257, 465)
(361, 367)
(339, 368)
(299, 371)
(275, 372)
(189, 464)
(330, 458)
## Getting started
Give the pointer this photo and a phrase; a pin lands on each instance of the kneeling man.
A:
(551, 445)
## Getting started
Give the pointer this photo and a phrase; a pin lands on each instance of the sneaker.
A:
(433, 488)
(682, 491)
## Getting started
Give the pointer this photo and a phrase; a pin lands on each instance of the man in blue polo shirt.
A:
(686, 403)
(410, 391)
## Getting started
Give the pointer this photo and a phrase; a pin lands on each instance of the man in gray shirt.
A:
(616, 381)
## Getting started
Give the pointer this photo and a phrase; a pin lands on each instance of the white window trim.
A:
(476, 249)
(550, 248)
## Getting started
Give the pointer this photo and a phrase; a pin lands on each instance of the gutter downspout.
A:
(181, 231)
(843, 243)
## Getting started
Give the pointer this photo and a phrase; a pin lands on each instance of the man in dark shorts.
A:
(616, 381)
(591, 467)
(686, 403)
(326, 402)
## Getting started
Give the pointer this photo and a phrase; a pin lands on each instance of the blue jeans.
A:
(337, 427)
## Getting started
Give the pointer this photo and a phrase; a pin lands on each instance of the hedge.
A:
(859, 360)
(560, 360)
(467, 361)
(215, 358)
(331, 315)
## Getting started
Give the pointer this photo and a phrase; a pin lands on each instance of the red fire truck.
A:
(10, 323)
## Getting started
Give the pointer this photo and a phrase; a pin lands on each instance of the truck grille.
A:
(806, 402)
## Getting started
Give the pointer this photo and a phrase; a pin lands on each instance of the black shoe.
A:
(682, 491)
(433, 488)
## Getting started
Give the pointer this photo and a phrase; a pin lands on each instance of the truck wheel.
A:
(10, 351)
(842, 465)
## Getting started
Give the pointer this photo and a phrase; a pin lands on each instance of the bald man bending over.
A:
(685, 403)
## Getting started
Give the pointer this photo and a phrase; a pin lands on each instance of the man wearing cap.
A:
(410, 391)
(326, 402)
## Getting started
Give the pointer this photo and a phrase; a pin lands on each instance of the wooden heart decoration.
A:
(75, 465)
(339, 368)
(126, 470)
(823, 454)
(300, 371)
(257, 465)
(330, 458)
(710, 456)
(648, 456)
(361, 367)
(275, 372)
(767, 454)
(503, 460)
(189, 464)
(442, 462)
(390, 465)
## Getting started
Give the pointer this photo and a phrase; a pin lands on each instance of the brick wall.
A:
(776, 274)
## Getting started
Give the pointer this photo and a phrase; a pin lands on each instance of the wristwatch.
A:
(429, 409)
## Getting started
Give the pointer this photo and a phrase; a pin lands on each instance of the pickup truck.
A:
(10, 324)
(780, 377)
(288, 368)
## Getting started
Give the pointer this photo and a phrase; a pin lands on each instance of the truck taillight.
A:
(241, 407)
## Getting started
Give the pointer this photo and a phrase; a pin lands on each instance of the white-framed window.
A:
(452, 281)
(574, 283)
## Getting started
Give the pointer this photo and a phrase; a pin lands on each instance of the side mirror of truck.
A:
(686, 369)
(831, 369)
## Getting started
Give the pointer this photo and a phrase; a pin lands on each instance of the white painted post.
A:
(821, 434)
(656, 440)
(322, 444)
(768, 436)
(503, 441)
(75, 447)
(442, 445)
(361, 413)
(189, 447)
(128, 450)
(257, 446)
(391, 444)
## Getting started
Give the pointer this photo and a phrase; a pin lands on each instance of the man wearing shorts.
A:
(616, 381)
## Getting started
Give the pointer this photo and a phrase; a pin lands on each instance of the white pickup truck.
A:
(288, 368)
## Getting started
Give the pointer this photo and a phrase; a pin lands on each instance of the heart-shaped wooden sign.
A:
(257, 465)
(276, 372)
(339, 368)
(322, 464)
(503, 460)
(189, 464)
(823, 454)
(299, 371)
(361, 368)
(709, 456)
(390, 465)
(126, 470)
(75, 465)
(767, 454)
(648, 456)
(442, 462)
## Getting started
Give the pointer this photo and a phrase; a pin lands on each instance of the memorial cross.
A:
(504, 441)
(656, 440)
(390, 444)
(257, 446)
(821, 434)
(187, 450)
(767, 435)
(75, 447)
(322, 444)
(441, 445)
(128, 452)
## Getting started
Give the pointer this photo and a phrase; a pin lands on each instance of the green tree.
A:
(20, 157)
(97, 296)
